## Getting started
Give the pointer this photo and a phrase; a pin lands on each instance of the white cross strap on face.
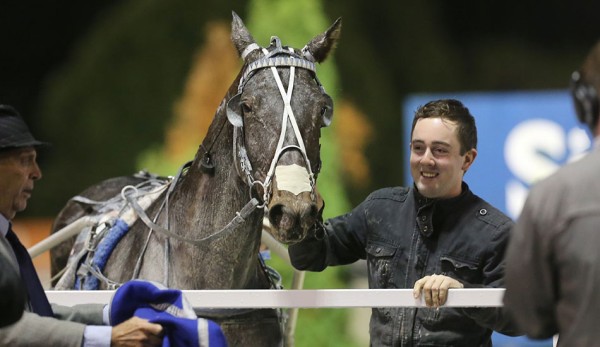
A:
(278, 57)
(288, 114)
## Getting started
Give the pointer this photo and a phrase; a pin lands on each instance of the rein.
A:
(240, 216)
(239, 219)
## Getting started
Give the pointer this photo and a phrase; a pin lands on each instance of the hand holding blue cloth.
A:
(167, 307)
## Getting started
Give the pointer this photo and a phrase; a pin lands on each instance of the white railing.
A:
(301, 298)
(295, 299)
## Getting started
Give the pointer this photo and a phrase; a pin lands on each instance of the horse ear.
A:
(240, 36)
(320, 46)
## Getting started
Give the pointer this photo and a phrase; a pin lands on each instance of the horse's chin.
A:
(287, 237)
(290, 242)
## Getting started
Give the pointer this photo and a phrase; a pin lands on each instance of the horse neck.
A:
(221, 190)
(203, 203)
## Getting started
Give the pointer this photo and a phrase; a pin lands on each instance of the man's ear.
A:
(469, 159)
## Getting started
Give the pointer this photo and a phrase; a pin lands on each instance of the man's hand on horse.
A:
(435, 289)
(136, 332)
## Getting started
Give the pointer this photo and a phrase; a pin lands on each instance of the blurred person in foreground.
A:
(431, 236)
(43, 324)
(553, 263)
(12, 295)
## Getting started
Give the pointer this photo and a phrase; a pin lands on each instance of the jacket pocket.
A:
(465, 270)
(379, 259)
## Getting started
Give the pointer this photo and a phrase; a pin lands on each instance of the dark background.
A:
(388, 49)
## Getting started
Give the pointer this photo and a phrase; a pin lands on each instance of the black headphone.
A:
(585, 98)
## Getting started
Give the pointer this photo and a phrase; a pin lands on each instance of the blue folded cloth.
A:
(167, 307)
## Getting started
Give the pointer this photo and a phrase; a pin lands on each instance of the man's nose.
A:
(36, 174)
(427, 158)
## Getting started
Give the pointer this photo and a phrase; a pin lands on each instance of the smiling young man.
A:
(430, 237)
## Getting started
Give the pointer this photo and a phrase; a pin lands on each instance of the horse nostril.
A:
(275, 215)
(281, 218)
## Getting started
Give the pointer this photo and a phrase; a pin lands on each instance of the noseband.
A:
(278, 57)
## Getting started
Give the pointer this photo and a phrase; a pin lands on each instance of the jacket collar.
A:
(432, 212)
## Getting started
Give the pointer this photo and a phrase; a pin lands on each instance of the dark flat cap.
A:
(14, 132)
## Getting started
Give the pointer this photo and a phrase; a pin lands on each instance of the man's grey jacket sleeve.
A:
(33, 330)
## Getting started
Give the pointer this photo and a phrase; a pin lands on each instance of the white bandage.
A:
(293, 178)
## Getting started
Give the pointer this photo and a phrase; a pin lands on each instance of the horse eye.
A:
(246, 108)
(326, 114)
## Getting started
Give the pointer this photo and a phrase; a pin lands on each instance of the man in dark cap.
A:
(14, 133)
(42, 324)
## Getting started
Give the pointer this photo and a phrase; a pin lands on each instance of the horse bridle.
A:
(278, 57)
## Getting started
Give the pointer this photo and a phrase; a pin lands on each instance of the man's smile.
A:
(428, 174)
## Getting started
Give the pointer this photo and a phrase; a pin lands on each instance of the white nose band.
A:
(293, 178)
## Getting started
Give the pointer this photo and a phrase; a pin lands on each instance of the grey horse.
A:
(260, 158)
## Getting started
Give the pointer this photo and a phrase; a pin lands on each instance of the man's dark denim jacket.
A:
(404, 237)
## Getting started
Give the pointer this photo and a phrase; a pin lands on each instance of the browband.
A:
(275, 62)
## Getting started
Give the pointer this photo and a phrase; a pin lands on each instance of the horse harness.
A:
(115, 216)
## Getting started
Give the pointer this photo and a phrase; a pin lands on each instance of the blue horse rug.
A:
(167, 307)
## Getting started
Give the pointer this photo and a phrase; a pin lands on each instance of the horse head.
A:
(280, 101)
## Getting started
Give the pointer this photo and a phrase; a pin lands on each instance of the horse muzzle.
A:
(291, 216)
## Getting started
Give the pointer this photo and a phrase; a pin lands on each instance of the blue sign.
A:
(522, 138)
